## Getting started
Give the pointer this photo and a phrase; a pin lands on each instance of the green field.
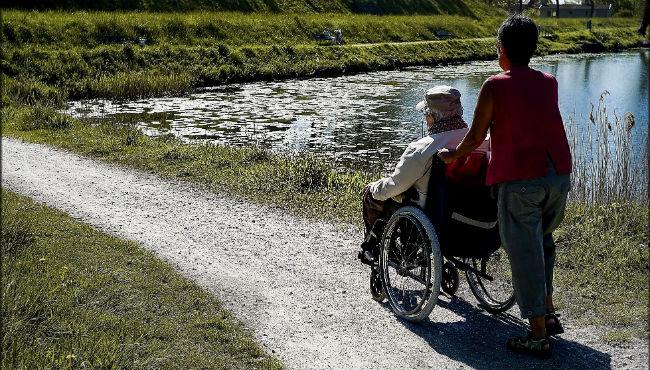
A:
(235, 29)
(92, 29)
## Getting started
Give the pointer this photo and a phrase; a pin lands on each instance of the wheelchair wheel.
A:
(450, 278)
(376, 288)
(411, 264)
(494, 296)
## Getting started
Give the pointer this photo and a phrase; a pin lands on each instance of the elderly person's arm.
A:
(408, 170)
(480, 126)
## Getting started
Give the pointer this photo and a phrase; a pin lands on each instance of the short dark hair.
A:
(518, 36)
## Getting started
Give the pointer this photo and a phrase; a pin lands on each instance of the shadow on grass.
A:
(479, 341)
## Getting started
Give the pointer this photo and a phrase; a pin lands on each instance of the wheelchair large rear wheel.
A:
(494, 296)
(411, 264)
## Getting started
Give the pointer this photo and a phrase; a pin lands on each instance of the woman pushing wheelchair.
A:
(529, 165)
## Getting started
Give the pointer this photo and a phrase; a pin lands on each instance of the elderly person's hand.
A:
(447, 155)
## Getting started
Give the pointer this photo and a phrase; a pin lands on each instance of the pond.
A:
(368, 119)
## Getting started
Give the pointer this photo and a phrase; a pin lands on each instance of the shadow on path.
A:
(479, 341)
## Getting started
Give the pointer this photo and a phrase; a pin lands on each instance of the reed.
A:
(605, 168)
(140, 84)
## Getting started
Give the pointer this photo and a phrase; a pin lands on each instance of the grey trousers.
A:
(529, 212)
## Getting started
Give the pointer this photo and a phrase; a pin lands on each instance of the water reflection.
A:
(367, 119)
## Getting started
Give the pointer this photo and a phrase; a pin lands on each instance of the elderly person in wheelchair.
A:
(408, 183)
(427, 220)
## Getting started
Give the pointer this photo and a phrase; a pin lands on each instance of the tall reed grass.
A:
(141, 84)
(607, 166)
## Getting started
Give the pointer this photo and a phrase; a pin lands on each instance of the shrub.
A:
(141, 84)
(43, 117)
(29, 92)
(16, 232)
(308, 174)
(176, 155)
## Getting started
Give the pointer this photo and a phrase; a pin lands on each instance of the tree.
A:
(557, 8)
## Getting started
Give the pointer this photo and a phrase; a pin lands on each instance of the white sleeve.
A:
(408, 170)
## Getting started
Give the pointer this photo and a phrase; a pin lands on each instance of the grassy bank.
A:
(239, 29)
(602, 274)
(94, 29)
(73, 297)
(461, 7)
(602, 267)
(50, 57)
(125, 71)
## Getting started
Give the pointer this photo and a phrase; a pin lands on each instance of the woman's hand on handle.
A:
(447, 155)
(483, 116)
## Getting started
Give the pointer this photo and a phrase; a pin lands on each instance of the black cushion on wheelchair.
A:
(464, 216)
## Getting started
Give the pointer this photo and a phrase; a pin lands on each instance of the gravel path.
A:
(295, 283)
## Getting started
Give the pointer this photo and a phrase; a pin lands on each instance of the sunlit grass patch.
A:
(141, 84)
(38, 117)
(124, 71)
(602, 264)
(617, 336)
(75, 297)
(92, 29)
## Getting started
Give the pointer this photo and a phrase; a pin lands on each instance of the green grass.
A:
(602, 264)
(116, 71)
(73, 297)
(50, 57)
(94, 29)
(461, 7)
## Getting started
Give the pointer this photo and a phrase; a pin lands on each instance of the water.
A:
(368, 119)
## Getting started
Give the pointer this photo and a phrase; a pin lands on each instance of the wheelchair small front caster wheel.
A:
(376, 288)
(450, 278)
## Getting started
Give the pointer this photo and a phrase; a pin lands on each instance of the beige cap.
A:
(442, 101)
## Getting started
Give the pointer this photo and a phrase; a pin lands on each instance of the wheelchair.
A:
(419, 252)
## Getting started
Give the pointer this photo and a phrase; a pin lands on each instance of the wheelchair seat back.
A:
(461, 207)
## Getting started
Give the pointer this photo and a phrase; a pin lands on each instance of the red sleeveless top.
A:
(527, 126)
